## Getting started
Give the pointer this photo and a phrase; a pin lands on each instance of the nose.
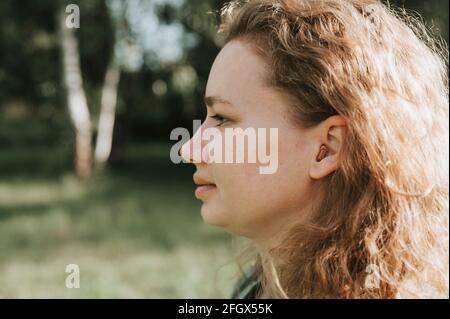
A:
(191, 151)
(186, 152)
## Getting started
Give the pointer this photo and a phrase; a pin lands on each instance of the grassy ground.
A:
(135, 232)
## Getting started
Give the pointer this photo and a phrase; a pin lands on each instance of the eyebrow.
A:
(211, 100)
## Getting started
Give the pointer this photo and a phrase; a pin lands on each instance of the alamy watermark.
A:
(228, 145)
(73, 17)
(73, 278)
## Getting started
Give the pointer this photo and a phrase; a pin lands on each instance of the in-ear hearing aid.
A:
(322, 153)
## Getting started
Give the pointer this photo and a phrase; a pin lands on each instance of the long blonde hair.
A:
(381, 229)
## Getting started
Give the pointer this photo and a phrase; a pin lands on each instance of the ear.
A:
(327, 147)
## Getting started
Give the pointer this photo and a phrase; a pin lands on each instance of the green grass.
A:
(135, 232)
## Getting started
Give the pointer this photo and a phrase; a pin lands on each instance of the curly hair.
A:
(381, 228)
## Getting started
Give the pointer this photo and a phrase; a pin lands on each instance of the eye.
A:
(220, 119)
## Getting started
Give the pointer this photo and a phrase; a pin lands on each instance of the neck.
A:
(273, 235)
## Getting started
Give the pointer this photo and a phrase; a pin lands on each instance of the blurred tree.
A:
(110, 87)
(76, 97)
(109, 91)
(107, 114)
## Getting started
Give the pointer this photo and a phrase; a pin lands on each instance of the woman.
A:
(358, 206)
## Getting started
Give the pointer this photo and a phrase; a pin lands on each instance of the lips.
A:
(204, 186)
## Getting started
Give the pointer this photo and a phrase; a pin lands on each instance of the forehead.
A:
(236, 72)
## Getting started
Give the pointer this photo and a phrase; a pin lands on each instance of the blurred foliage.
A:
(433, 12)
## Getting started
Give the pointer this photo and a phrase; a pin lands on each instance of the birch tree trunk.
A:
(107, 114)
(76, 98)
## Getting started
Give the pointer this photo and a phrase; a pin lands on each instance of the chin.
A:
(212, 216)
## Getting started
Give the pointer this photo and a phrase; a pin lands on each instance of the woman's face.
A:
(238, 197)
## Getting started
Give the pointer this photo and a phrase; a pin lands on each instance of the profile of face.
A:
(236, 196)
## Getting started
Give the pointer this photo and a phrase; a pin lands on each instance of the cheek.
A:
(231, 204)
(247, 200)
(292, 177)
(236, 183)
(247, 196)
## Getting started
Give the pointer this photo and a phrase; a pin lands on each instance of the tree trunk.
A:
(107, 115)
(76, 98)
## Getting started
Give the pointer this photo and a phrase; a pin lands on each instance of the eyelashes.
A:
(220, 119)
